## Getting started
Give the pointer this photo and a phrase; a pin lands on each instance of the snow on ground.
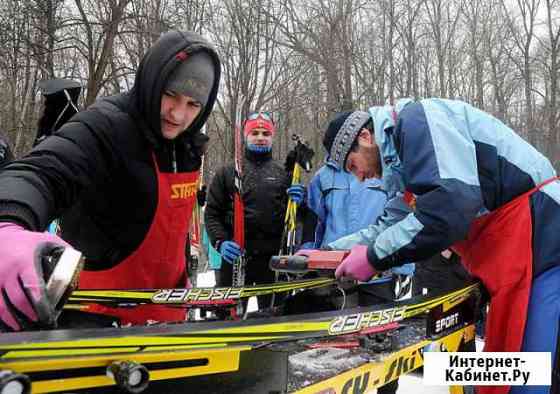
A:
(408, 384)
(206, 279)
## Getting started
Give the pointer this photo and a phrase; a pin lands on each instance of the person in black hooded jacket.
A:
(122, 175)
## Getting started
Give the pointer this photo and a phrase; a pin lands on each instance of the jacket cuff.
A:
(385, 263)
(18, 213)
(372, 258)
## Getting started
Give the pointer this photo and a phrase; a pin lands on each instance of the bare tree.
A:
(256, 68)
(321, 31)
(522, 30)
(19, 68)
(100, 23)
(410, 31)
(302, 60)
(443, 16)
(550, 46)
(46, 23)
(476, 15)
(375, 58)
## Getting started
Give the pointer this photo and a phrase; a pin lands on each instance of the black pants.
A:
(439, 274)
(373, 294)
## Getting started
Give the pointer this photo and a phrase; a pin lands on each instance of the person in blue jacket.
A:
(343, 204)
(477, 187)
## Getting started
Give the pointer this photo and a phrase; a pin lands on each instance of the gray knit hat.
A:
(194, 77)
(341, 134)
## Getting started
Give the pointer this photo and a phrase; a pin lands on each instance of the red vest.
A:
(498, 251)
(159, 261)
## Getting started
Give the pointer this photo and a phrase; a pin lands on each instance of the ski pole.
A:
(304, 154)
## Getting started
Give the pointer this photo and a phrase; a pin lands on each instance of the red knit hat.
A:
(259, 120)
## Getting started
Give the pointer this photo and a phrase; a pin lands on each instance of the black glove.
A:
(302, 154)
(201, 196)
(290, 160)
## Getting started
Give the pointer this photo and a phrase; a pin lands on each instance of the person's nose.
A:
(178, 111)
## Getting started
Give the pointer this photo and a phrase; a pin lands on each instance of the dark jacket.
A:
(60, 104)
(98, 173)
(6, 154)
(264, 184)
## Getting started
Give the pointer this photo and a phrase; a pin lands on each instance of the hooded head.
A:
(177, 60)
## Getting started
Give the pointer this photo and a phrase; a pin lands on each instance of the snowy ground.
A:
(408, 384)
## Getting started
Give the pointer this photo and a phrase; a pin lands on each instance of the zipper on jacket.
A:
(173, 157)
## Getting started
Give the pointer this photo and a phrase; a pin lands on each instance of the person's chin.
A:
(170, 134)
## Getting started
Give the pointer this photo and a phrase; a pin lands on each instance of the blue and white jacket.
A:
(460, 163)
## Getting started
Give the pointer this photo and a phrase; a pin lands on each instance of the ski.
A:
(72, 359)
(193, 297)
(229, 333)
(238, 279)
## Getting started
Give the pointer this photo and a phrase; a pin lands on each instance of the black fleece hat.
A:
(341, 134)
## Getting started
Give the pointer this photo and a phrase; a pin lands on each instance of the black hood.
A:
(151, 78)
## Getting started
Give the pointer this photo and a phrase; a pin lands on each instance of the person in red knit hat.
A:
(266, 187)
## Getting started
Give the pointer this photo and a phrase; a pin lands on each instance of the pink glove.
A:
(356, 265)
(23, 295)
